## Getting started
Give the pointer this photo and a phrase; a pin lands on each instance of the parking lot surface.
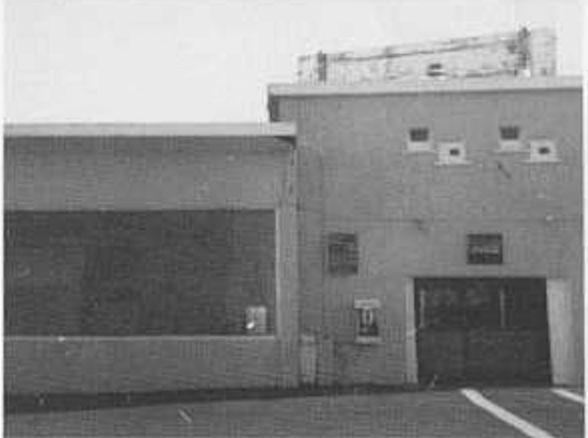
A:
(413, 414)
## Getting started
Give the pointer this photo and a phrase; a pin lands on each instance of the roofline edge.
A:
(100, 129)
(427, 86)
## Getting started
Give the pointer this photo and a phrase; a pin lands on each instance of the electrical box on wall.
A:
(256, 320)
(367, 321)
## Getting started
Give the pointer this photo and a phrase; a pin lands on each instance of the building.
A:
(383, 233)
(440, 228)
(149, 257)
(520, 53)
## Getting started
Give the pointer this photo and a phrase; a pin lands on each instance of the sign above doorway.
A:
(484, 249)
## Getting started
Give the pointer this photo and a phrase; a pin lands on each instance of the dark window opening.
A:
(209, 272)
(419, 135)
(544, 150)
(454, 152)
(343, 253)
(509, 132)
(435, 69)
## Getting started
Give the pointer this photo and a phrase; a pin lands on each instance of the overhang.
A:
(400, 86)
(278, 130)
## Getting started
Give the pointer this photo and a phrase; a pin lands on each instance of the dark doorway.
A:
(486, 330)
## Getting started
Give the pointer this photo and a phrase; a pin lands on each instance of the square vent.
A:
(451, 153)
(542, 151)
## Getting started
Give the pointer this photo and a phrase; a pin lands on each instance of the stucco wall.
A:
(45, 365)
(157, 173)
(412, 216)
(142, 173)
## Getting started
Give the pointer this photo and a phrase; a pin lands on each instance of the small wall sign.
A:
(484, 249)
(256, 320)
(367, 321)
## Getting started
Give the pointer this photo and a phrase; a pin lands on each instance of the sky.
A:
(211, 60)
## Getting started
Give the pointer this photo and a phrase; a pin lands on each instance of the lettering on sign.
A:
(484, 249)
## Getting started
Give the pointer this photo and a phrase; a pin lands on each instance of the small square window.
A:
(419, 135)
(510, 139)
(452, 153)
(510, 132)
(418, 140)
(435, 70)
(343, 253)
(543, 151)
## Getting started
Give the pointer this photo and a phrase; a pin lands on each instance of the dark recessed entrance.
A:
(486, 330)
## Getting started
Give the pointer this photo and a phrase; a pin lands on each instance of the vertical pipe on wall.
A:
(326, 353)
(287, 278)
(411, 375)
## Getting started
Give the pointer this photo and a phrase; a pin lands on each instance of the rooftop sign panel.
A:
(519, 53)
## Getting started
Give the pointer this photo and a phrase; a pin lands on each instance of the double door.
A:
(482, 330)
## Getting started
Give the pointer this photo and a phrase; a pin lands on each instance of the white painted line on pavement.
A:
(524, 426)
(569, 395)
(185, 416)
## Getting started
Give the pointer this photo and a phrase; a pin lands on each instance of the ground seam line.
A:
(524, 426)
(569, 395)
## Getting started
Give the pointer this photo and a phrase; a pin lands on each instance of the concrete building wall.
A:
(134, 173)
(142, 173)
(412, 215)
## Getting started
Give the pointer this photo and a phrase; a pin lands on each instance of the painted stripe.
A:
(185, 416)
(569, 395)
(524, 426)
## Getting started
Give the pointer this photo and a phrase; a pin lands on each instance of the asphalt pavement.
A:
(508, 412)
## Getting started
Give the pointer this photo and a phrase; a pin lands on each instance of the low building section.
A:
(149, 257)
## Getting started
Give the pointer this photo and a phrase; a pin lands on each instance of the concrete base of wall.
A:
(29, 403)
(103, 365)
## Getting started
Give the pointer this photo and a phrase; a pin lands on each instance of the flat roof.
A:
(401, 86)
(278, 129)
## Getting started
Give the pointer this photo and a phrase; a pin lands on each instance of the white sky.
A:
(211, 60)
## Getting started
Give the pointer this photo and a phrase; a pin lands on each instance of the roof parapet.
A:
(278, 129)
(497, 84)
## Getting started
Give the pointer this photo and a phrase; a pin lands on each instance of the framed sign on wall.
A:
(484, 249)
(367, 330)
